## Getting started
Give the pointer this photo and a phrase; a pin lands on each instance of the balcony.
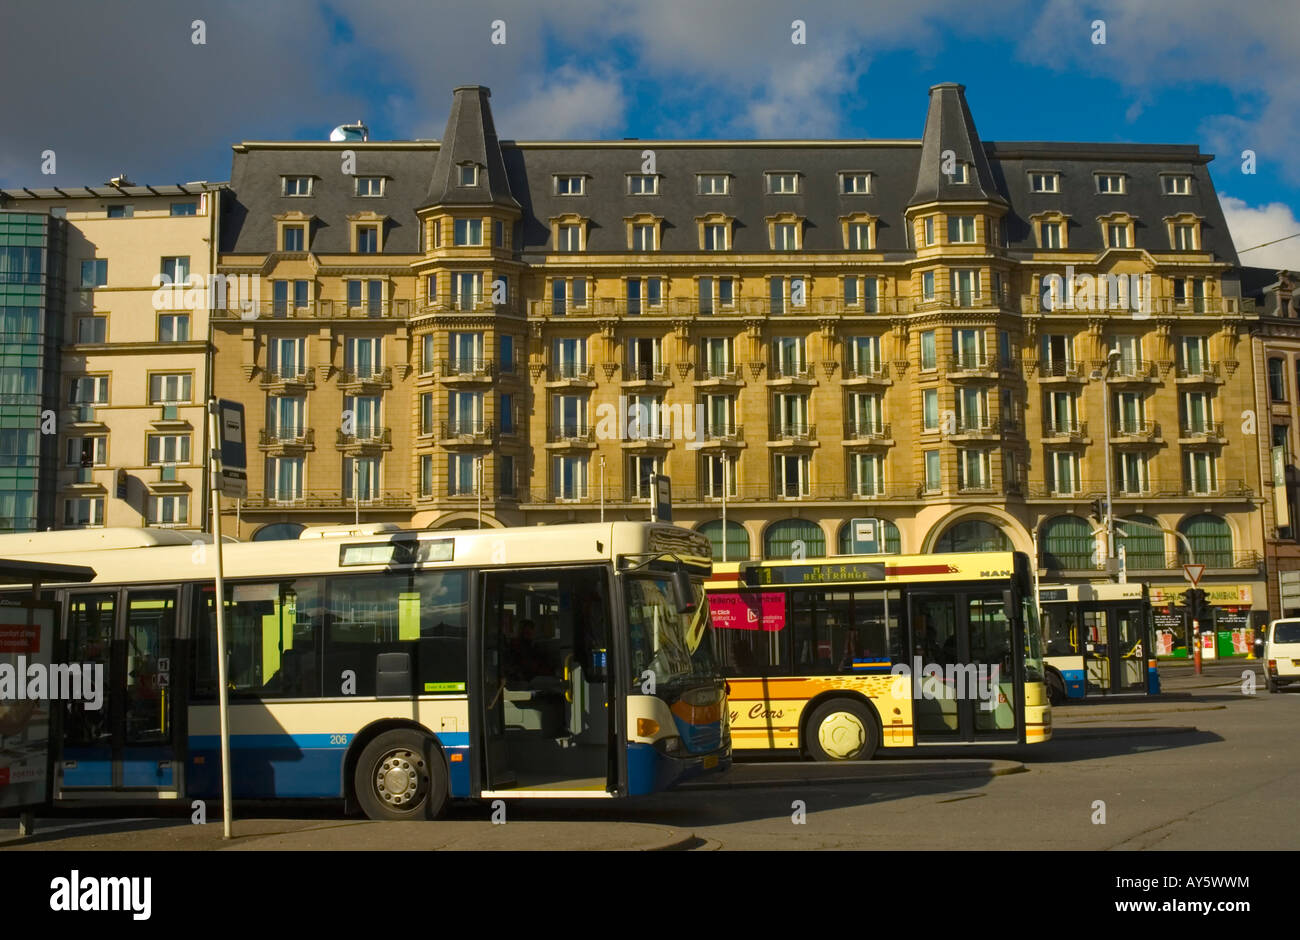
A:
(1157, 489)
(791, 373)
(364, 441)
(288, 382)
(867, 373)
(572, 375)
(85, 416)
(646, 374)
(975, 429)
(286, 439)
(721, 435)
(1135, 432)
(973, 367)
(84, 477)
(319, 310)
(784, 433)
(860, 433)
(468, 371)
(473, 432)
(1205, 373)
(169, 418)
(1069, 432)
(1155, 306)
(365, 382)
(1060, 370)
(168, 479)
(1133, 371)
(323, 500)
(570, 435)
(686, 307)
(1210, 432)
(718, 375)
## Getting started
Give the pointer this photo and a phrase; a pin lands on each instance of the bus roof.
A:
(866, 569)
(182, 561)
(16, 544)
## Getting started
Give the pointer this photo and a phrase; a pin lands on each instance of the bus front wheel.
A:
(842, 729)
(1055, 689)
(401, 775)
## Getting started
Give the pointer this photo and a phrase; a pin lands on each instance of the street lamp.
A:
(1103, 374)
(602, 488)
(726, 482)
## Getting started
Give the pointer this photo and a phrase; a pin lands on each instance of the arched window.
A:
(893, 541)
(1143, 547)
(277, 531)
(1211, 541)
(973, 535)
(780, 538)
(737, 540)
(1068, 543)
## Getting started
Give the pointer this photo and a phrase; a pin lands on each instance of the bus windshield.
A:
(674, 647)
(1033, 640)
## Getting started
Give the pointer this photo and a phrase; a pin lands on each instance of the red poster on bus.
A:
(748, 610)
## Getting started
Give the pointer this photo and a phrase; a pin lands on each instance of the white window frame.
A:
(284, 185)
(565, 184)
(643, 184)
(1169, 184)
(957, 224)
(469, 233)
(1044, 181)
(1104, 188)
(99, 450)
(802, 465)
(780, 183)
(848, 188)
(95, 514)
(184, 380)
(372, 183)
(701, 190)
(165, 504)
(567, 236)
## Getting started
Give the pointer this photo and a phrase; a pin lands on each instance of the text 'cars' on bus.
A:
(393, 669)
(836, 657)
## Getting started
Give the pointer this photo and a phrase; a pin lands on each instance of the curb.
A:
(1000, 769)
(1083, 734)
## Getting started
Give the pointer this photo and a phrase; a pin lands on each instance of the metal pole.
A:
(239, 505)
(726, 480)
(356, 490)
(1105, 412)
(602, 487)
(223, 709)
(478, 485)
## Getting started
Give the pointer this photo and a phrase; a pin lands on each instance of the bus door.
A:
(1126, 648)
(965, 666)
(545, 682)
(1096, 650)
(132, 740)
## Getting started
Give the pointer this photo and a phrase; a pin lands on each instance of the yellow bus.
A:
(837, 657)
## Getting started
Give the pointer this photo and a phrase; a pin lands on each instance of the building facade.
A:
(126, 403)
(966, 340)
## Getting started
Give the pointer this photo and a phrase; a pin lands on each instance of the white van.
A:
(1282, 653)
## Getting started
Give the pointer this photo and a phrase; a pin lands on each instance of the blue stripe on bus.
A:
(292, 765)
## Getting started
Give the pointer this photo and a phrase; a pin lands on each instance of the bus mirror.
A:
(683, 595)
(393, 675)
(1009, 605)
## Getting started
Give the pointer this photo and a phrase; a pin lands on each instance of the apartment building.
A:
(124, 407)
(963, 339)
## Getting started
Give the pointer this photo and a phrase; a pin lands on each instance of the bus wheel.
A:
(401, 775)
(842, 729)
(1055, 689)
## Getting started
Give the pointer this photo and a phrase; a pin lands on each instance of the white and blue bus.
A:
(392, 669)
(1098, 640)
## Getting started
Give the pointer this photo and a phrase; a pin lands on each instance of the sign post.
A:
(661, 499)
(1193, 573)
(229, 473)
(866, 536)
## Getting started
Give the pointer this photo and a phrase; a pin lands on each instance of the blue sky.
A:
(134, 93)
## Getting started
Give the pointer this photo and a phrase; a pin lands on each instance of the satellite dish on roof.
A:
(357, 131)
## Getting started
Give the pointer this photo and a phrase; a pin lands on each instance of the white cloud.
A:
(570, 103)
(1256, 225)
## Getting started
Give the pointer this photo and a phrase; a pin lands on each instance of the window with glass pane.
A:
(634, 297)
(784, 236)
(866, 475)
(169, 448)
(569, 477)
(1144, 545)
(361, 478)
(367, 239)
(83, 512)
(284, 477)
(972, 469)
(294, 238)
(972, 409)
(287, 417)
(969, 348)
(176, 270)
(506, 480)
(570, 238)
(1200, 472)
(965, 287)
(933, 474)
(1058, 354)
(720, 414)
(865, 351)
(782, 538)
(961, 229)
(859, 236)
(1192, 354)
(1196, 412)
(713, 184)
(1117, 235)
(776, 294)
(643, 237)
(1065, 472)
(1061, 412)
(361, 356)
(1130, 412)
(570, 358)
(869, 301)
(929, 230)
(783, 183)
(184, 209)
(792, 414)
(737, 546)
(865, 413)
(717, 356)
(286, 356)
(1050, 234)
(714, 470)
(465, 412)
(857, 184)
(642, 184)
(1277, 379)
(174, 328)
(1131, 472)
(569, 185)
(462, 475)
(1210, 538)
(790, 475)
(92, 330)
(715, 237)
(929, 351)
(570, 415)
(170, 389)
(704, 288)
(365, 415)
(168, 510)
(789, 354)
(468, 232)
(641, 471)
(86, 451)
(930, 409)
(927, 285)
(850, 291)
(1068, 543)
(94, 273)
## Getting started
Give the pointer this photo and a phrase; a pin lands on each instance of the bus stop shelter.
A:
(27, 634)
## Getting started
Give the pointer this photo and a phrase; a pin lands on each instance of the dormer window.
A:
(1176, 184)
(370, 185)
(642, 184)
(1116, 235)
(296, 185)
(570, 186)
(783, 184)
(1110, 184)
(958, 174)
(855, 184)
(1042, 182)
(294, 238)
(468, 174)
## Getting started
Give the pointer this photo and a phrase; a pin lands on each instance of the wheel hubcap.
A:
(842, 735)
(400, 778)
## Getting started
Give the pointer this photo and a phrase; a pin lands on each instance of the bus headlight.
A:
(670, 745)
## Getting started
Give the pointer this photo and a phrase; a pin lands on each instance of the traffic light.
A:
(1098, 510)
(1197, 604)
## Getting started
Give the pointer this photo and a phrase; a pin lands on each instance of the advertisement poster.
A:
(26, 638)
(748, 610)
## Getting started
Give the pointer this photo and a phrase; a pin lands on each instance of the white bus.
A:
(393, 669)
